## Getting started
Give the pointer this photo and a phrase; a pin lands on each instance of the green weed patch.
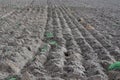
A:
(44, 49)
(49, 35)
(53, 43)
(12, 79)
(114, 66)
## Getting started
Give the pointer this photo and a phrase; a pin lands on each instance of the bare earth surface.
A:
(59, 39)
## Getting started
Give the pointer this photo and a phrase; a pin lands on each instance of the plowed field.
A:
(59, 39)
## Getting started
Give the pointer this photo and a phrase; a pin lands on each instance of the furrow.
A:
(27, 43)
(72, 45)
(37, 66)
(75, 32)
(55, 61)
(88, 37)
(113, 50)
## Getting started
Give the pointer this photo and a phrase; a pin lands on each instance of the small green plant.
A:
(49, 35)
(34, 58)
(18, 24)
(114, 66)
(115, 25)
(44, 49)
(1, 18)
(12, 79)
(53, 43)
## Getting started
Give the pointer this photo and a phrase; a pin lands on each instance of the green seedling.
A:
(49, 35)
(44, 49)
(18, 24)
(115, 25)
(114, 66)
(34, 58)
(53, 43)
(12, 79)
(1, 19)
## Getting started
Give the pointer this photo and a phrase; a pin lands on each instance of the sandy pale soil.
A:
(59, 39)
